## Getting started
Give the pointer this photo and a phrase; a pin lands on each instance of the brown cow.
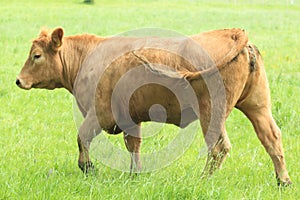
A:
(116, 81)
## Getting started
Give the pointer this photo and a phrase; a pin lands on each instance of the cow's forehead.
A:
(40, 43)
(42, 40)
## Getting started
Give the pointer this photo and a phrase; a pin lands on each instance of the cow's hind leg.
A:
(218, 149)
(270, 136)
(255, 103)
(216, 139)
(133, 142)
(217, 154)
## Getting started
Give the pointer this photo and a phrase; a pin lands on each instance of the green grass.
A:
(38, 135)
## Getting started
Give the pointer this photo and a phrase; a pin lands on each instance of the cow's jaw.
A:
(41, 85)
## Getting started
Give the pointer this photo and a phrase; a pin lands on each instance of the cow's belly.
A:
(158, 103)
(151, 102)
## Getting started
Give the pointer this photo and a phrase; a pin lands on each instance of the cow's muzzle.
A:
(22, 84)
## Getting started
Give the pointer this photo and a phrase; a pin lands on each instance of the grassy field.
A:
(38, 149)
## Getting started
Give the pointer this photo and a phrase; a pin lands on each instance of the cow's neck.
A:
(73, 52)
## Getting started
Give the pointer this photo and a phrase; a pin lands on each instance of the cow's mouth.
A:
(27, 86)
(27, 83)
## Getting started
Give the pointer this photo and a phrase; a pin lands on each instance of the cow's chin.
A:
(25, 86)
(41, 85)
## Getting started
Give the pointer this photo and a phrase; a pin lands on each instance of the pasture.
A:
(38, 144)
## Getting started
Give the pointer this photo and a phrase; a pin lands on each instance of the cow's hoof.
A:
(284, 183)
(86, 167)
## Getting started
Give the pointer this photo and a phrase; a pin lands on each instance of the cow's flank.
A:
(221, 69)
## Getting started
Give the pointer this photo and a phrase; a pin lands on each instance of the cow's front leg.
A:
(133, 143)
(89, 129)
(84, 162)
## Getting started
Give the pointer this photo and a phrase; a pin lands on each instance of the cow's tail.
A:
(253, 53)
(172, 73)
(254, 57)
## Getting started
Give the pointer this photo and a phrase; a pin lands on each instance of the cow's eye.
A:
(37, 56)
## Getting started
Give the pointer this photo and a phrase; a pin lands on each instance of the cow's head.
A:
(43, 67)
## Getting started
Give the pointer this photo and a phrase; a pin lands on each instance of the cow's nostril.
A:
(18, 82)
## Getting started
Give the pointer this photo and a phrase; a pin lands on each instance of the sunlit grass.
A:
(38, 133)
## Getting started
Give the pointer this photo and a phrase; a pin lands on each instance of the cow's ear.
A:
(56, 38)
